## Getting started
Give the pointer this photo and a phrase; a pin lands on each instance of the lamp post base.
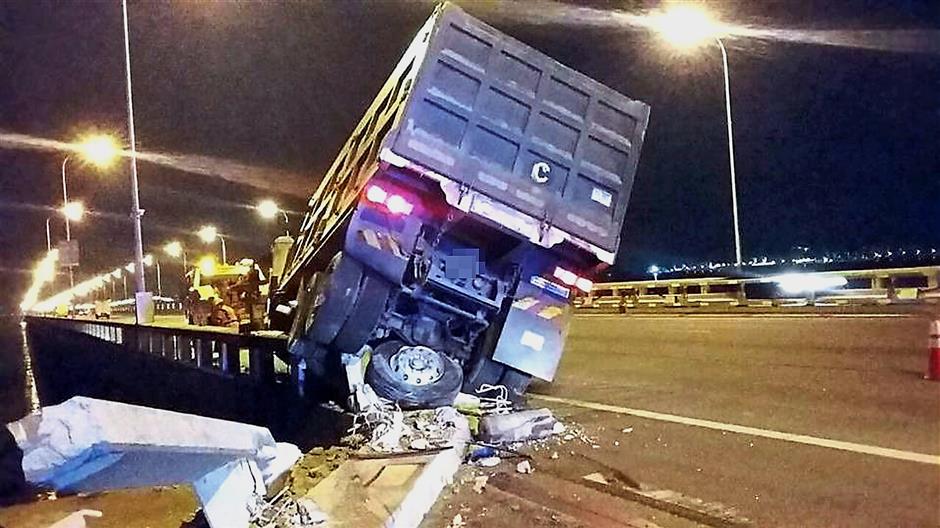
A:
(144, 307)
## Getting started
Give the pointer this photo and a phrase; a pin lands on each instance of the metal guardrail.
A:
(219, 351)
(885, 286)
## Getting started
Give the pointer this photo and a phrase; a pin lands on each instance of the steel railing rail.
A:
(882, 286)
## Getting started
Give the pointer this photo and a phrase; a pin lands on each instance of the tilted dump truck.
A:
(484, 185)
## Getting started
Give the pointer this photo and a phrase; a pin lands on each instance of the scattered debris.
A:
(314, 466)
(517, 426)
(457, 522)
(554, 455)
(596, 477)
(489, 461)
(626, 430)
(524, 467)
(479, 483)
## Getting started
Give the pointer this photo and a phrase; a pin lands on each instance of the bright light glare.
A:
(148, 260)
(43, 273)
(100, 150)
(398, 205)
(173, 249)
(73, 211)
(376, 194)
(568, 277)
(130, 267)
(116, 273)
(653, 269)
(207, 233)
(685, 26)
(584, 285)
(268, 209)
(207, 265)
(799, 283)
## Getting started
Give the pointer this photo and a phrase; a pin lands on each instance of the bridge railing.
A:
(220, 351)
(885, 286)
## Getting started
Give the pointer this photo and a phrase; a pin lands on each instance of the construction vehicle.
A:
(239, 287)
(484, 186)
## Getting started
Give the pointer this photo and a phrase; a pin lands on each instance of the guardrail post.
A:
(741, 294)
(260, 363)
(203, 353)
(230, 357)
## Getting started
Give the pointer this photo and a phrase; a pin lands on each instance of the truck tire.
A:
(483, 370)
(389, 383)
(340, 289)
(364, 315)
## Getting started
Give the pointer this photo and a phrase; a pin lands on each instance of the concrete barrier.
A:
(89, 445)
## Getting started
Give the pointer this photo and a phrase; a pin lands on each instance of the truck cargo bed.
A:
(499, 118)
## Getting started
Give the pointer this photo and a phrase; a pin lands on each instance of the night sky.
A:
(836, 148)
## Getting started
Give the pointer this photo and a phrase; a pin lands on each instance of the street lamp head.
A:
(173, 249)
(207, 233)
(116, 273)
(268, 209)
(653, 269)
(148, 260)
(130, 267)
(73, 211)
(686, 26)
(100, 150)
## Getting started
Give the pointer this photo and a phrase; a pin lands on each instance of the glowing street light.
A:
(208, 234)
(100, 150)
(654, 271)
(73, 211)
(687, 27)
(268, 209)
(175, 250)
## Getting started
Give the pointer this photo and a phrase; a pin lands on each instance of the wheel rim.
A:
(417, 365)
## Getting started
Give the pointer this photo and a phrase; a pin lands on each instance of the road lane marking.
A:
(753, 431)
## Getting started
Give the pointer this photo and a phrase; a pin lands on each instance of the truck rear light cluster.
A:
(571, 278)
(395, 203)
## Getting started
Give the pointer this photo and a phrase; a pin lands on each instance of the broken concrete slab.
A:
(89, 445)
(392, 492)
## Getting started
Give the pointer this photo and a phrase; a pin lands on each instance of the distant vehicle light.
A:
(568, 277)
(398, 205)
(376, 194)
(799, 282)
(584, 285)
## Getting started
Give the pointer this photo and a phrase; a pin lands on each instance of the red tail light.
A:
(571, 278)
(395, 203)
(398, 205)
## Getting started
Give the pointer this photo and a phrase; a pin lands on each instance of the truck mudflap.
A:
(533, 337)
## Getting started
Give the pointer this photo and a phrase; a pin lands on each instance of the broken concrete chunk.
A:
(518, 426)
(524, 467)
(479, 483)
(596, 477)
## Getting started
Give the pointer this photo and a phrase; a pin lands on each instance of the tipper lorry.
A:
(485, 185)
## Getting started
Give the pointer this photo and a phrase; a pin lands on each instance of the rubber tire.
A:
(364, 316)
(486, 371)
(380, 377)
(341, 288)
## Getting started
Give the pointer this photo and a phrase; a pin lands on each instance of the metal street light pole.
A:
(48, 235)
(734, 183)
(136, 212)
(224, 256)
(68, 227)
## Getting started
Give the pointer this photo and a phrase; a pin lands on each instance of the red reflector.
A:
(376, 194)
(565, 276)
(398, 205)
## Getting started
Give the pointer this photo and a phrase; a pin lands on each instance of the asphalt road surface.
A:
(790, 420)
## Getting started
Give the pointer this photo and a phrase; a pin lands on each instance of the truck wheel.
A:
(364, 316)
(485, 371)
(413, 376)
(340, 289)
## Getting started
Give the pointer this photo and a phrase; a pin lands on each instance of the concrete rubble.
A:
(86, 445)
